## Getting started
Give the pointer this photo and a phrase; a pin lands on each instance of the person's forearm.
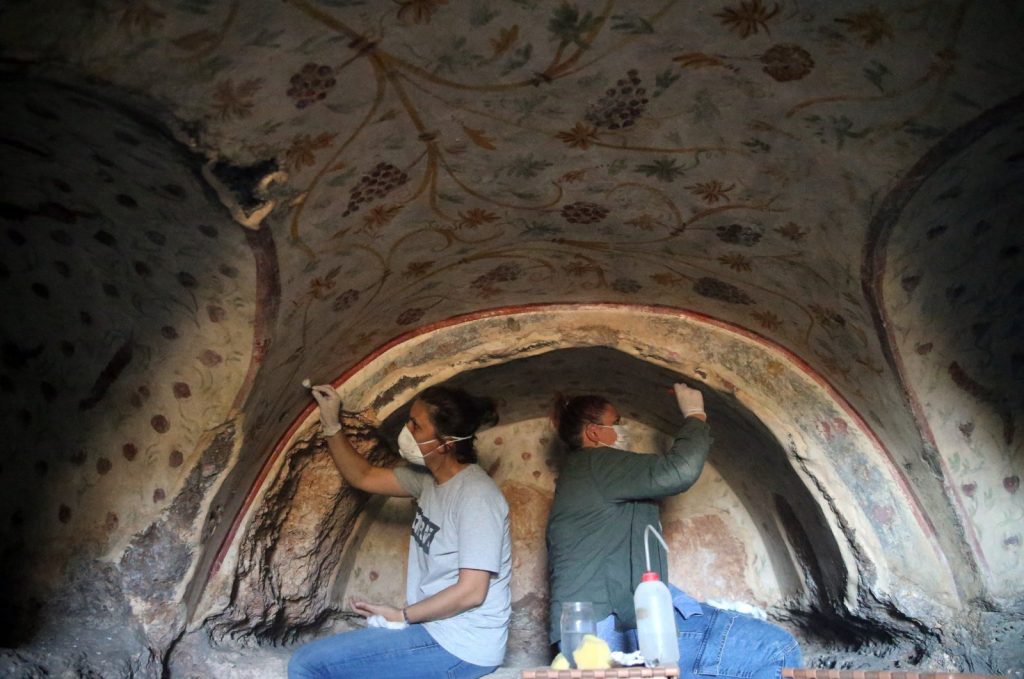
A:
(690, 451)
(446, 603)
(352, 465)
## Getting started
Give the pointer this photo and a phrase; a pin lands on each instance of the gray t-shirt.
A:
(462, 523)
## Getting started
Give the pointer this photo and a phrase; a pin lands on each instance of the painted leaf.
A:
(479, 138)
(506, 38)
(698, 60)
(192, 42)
(631, 23)
(568, 26)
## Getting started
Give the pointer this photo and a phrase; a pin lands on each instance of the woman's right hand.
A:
(330, 405)
(691, 401)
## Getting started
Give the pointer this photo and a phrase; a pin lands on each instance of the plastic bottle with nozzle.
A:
(655, 615)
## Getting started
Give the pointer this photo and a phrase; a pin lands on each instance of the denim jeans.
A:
(380, 653)
(717, 643)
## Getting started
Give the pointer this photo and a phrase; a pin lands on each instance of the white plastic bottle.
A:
(655, 617)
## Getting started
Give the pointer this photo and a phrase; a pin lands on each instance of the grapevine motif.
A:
(374, 185)
(311, 84)
(621, 106)
(584, 213)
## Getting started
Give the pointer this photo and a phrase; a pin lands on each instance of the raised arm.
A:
(354, 468)
(630, 476)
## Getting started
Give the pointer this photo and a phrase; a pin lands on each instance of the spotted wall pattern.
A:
(128, 299)
(958, 252)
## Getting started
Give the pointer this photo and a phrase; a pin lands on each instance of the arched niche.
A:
(818, 496)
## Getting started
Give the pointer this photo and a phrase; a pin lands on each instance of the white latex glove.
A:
(691, 401)
(330, 404)
(381, 621)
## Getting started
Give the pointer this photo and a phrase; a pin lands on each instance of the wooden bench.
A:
(792, 673)
(613, 673)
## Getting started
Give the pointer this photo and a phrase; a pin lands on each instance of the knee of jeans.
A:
(298, 667)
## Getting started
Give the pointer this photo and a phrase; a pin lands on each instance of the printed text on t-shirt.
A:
(423, 530)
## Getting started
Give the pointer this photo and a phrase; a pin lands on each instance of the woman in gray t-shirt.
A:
(458, 603)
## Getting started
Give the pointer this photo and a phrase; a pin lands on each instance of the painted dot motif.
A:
(160, 424)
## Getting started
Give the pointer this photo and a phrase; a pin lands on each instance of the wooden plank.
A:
(613, 673)
(795, 673)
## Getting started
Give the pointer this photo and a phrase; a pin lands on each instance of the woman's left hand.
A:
(389, 613)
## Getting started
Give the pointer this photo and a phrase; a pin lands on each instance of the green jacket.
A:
(604, 499)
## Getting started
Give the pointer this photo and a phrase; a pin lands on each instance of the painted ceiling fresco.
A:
(260, 191)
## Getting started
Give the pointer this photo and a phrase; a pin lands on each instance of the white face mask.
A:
(409, 447)
(621, 436)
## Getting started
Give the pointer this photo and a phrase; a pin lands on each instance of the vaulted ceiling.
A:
(208, 201)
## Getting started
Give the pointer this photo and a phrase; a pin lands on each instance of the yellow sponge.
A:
(559, 663)
(593, 654)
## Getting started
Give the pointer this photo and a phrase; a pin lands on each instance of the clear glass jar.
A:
(577, 620)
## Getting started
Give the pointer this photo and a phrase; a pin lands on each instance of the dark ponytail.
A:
(453, 412)
(570, 414)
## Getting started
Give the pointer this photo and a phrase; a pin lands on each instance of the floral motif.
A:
(474, 217)
(969, 488)
(580, 267)
(502, 273)
(506, 38)
(791, 231)
(301, 153)
(414, 269)
(735, 261)
(827, 317)
(1011, 484)
(379, 216)
(871, 25)
(645, 222)
(626, 285)
(664, 169)
(738, 234)
(418, 11)
(573, 176)
(584, 213)
(568, 26)
(320, 285)
(410, 316)
(767, 320)
(787, 62)
(235, 102)
(580, 136)
(345, 300)
(139, 15)
(748, 18)
(720, 290)
(311, 84)
(712, 191)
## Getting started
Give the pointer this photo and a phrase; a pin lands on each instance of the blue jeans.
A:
(717, 643)
(380, 653)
